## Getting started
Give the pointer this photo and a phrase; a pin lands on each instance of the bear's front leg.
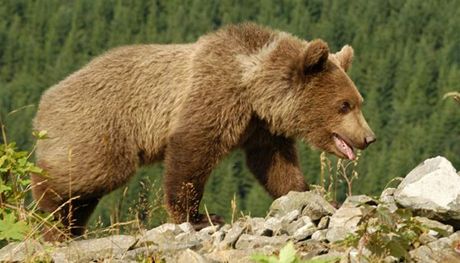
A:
(275, 163)
(189, 160)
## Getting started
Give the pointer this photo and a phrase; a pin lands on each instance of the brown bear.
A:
(243, 86)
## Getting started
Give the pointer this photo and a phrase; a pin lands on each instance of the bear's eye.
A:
(345, 107)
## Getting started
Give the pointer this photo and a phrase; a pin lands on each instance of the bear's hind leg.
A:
(275, 163)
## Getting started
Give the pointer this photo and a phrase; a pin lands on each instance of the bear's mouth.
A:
(344, 146)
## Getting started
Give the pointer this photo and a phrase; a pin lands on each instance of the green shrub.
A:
(17, 221)
(288, 254)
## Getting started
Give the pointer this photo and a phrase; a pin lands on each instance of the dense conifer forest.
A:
(407, 56)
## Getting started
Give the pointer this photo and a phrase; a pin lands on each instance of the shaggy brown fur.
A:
(243, 86)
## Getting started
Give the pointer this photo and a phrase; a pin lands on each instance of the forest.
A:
(407, 56)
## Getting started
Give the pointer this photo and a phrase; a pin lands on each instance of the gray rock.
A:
(163, 234)
(291, 216)
(217, 238)
(335, 234)
(95, 249)
(441, 250)
(137, 254)
(232, 236)
(209, 230)
(187, 227)
(358, 200)
(356, 256)
(19, 252)
(426, 238)
(332, 256)
(251, 242)
(432, 189)
(324, 222)
(190, 240)
(387, 199)
(256, 226)
(301, 222)
(346, 217)
(234, 256)
(305, 231)
(319, 235)
(308, 203)
(387, 192)
(205, 234)
(274, 224)
(390, 259)
(311, 248)
(440, 228)
(190, 256)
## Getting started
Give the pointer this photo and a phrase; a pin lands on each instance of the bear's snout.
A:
(369, 139)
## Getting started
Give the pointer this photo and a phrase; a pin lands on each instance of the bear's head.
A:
(304, 91)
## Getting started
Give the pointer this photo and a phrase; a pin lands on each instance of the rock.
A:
(294, 226)
(251, 242)
(336, 234)
(390, 259)
(88, 250)
(190, 256)
(291, 216)
(347, 217)
(187, 227)
(356, 256)
(311, 248)
(138, 253)
(324, 222)
(358, 200)
(426, 238)
(442, 250)
(440, 228)
(217, 238)
(387, 200)
(387, 192)
(305, 231)
(231, 237)
(233, 255)
(307, 203)
(190, 240)
(20, 252)
(256, 226)
(332, 257)
(160, 235)
(209, 230)
(432, 189)
(319, 235)
(274, 224)
(205, 233)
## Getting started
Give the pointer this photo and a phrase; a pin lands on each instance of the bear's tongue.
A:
(344, 147)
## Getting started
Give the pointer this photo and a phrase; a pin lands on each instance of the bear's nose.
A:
(369, 139)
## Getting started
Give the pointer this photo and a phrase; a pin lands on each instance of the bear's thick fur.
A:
(190, 104)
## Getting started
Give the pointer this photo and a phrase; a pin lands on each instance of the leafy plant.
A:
(288, 254)
(385, 233)
(15, 167)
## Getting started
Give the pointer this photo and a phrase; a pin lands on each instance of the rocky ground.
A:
(415, 222)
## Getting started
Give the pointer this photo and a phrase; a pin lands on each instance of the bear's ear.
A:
(345, 57)
(315, 57)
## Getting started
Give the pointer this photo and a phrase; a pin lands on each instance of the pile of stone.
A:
(431, 191)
